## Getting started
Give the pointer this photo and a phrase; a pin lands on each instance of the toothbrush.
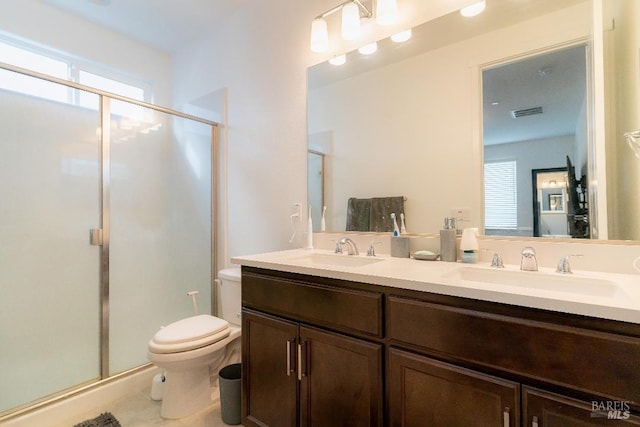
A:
(309, 230)
(403, 229)
(396, 232)
(323, 224)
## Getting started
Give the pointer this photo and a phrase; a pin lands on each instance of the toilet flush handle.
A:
(193, 294)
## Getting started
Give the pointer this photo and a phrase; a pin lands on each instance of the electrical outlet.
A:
(462, 214)
(297, 211)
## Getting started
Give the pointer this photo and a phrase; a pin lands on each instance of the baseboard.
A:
(96, 399)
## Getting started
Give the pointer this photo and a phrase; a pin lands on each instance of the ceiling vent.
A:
(526, 112)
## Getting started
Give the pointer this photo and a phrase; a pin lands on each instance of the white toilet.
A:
(189, 349)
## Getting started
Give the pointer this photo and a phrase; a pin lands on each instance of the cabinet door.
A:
(424, 392)
(543, 409)
(342, 382)
(270, 385)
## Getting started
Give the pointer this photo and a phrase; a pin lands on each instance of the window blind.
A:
(500, 195)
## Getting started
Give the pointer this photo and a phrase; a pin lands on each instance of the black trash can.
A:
(230, 385)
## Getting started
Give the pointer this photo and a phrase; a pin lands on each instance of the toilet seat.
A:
(189, 334)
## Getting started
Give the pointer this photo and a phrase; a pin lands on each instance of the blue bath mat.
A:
(103, 420)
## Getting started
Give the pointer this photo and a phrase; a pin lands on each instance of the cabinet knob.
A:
(534, 422)
(505, 417)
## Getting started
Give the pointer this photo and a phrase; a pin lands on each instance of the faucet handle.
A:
(564, 267)
(528, 252)
(496, 261)
(338, 248)
(371, 251)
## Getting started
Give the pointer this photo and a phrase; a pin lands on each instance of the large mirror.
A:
(408, 120)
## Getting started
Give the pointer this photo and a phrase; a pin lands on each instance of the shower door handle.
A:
(95, 237)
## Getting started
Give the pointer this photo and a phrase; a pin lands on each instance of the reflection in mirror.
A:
(534, 117)
(315, 186)
(550, 202)
(407, 120)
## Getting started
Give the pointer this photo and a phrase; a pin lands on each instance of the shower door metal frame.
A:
(104, 180)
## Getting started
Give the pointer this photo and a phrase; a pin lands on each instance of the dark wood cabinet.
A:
(544, 409)
(341, 382)
(270, 385)
(326, 352)
(295, 373)
(424, 392)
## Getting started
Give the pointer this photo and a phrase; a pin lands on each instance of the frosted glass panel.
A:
(160, 246)
(49, 304)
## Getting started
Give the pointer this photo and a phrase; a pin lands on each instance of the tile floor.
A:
(138, 410)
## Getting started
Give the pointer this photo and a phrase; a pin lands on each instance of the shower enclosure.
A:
(106, 219)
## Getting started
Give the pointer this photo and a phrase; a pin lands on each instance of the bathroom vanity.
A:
(331, 345)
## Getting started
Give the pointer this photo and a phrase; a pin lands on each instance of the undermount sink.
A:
(538, 280)
(337, 260)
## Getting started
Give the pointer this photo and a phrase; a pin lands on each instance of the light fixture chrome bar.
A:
(367, 13)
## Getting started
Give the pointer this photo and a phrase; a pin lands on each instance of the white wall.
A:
(622, 18)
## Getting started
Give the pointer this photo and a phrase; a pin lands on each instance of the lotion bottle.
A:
(448, 250)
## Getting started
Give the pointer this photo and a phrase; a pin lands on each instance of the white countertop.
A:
(606, 295)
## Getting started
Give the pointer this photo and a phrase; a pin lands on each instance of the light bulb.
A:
(350, 21)
(386, 12)
(319, 35)
(368, 49)
(474, 9)
(402, 36)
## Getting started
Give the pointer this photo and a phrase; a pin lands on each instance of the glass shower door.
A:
(49, 273)
(160, 226)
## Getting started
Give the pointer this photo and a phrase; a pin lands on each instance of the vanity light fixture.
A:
(353, 13)
(386, 12)
(338, 60)
(319, 35)
(473, 9)
(402, 36)
(351, 21)
(368, 49)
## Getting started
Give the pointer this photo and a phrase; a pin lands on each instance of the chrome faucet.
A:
(563, 265)
(352, 249)
(496, 261)
(528, 261)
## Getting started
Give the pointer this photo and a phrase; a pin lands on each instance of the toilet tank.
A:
(229, 298)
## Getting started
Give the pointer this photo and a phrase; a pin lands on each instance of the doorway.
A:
(550, 201)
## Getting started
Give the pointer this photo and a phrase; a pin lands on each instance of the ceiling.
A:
(163, 24)
(554, 81)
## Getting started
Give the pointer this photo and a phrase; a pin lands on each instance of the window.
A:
(57, 65)
(500, 195)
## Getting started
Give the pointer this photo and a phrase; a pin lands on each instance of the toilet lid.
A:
(190, 329)
(190, 333)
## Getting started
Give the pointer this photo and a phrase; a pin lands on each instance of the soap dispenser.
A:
(448, 250)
